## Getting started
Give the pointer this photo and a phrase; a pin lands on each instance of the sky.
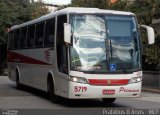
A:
(57, 2)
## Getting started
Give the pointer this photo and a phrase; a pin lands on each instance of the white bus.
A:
(79, 53)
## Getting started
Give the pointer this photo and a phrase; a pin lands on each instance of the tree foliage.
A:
(38, 9)
(14, 12)
(103, 4)
(146, 11)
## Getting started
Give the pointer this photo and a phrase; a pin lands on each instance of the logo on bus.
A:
(109, 82)
(122, 89)
(47, 55)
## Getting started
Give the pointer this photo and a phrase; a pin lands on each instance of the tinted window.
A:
(60, 29)
(30, 36)
(49, 34)
(16, 39)
(23, 37)
(61, 47)
(39, 34)
(11, 40)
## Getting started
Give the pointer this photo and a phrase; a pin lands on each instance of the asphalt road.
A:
(29, 98)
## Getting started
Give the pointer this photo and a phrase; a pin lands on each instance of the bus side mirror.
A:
(67, 33)
(150, 33)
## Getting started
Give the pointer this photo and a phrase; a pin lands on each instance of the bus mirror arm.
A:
(67, 33)
(150, 33)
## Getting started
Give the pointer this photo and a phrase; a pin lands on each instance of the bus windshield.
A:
(104, 43)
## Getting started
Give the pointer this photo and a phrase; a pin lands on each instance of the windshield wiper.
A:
(113, 52)
(88, 72)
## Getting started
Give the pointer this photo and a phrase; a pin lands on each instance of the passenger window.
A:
(30, 36)
(39, 34)
(23, 37)
(16, 39)
(11, 40)
(49, 34)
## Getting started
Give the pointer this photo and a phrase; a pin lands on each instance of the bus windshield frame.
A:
(103, 43)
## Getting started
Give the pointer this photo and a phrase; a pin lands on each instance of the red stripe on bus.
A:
(104, 82)
(15, 57)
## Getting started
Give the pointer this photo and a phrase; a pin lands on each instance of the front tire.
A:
(108, 100)
(51, 92)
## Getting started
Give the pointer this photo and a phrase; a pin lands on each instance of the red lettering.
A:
(80, 89)
(122, 89)
(109, 92)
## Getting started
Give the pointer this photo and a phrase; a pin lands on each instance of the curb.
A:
(152, 90)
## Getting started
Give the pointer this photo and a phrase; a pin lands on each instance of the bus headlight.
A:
(135, 80)
(78, 79)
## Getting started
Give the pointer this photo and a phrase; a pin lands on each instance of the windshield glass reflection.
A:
(123, 42)
(104, 43)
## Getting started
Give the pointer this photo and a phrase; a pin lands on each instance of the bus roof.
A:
(93, 10)
(71, 10)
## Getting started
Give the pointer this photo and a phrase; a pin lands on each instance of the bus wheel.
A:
(19, 86)
(108, 100)
(51, 92)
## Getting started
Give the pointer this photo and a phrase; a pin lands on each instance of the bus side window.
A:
(39, 34)
(23, 37)
(30, 36)
(61, 48)
(17, 39)
(10, 39)
(50, 32)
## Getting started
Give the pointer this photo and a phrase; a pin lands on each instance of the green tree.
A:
(38, 9)
(103, 4)
(14, 12)
(120, 5)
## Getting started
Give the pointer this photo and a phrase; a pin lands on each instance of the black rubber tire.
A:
(51, 92)
(108, 100)
(19, 86)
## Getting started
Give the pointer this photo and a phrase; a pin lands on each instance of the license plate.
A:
(108, 92)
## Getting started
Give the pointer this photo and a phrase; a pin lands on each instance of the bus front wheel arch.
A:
(51, 89)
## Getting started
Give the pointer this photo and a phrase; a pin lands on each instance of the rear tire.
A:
(108, 100)
(51, 92)
(19, 86)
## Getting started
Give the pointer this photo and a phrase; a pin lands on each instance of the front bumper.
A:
(86, 91)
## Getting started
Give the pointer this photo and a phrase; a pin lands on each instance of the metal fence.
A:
(151, 79)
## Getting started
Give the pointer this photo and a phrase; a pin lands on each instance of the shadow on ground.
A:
(73, 103)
